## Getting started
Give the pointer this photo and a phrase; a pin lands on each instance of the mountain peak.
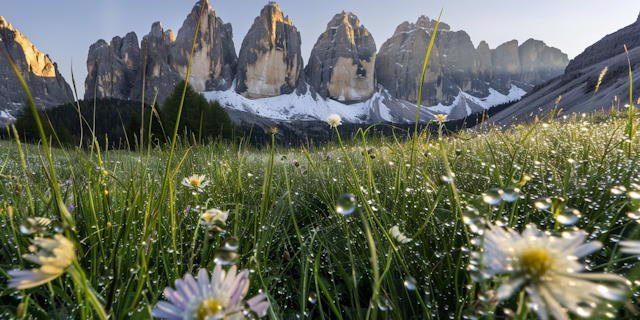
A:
(5, 24)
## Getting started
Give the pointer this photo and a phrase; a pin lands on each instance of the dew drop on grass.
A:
(543, 204)
(225, 257)
(568, 216)
(410, 283)
(511, 194)
(230, 244)
(474, 220)
(313, 297)
(346, 204)
(493, 196)
(446, 179)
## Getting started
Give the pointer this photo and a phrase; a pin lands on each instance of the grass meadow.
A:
(312, 250)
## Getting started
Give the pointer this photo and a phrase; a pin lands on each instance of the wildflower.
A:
(215, 219)
(218, 297)
(441, 117)
(195, 182)
(295, 162)
(273, 130)
(334, 120)
(55, 256)
(105, 172)
(106, 192)
(547, 267)
(109, 224)
(396, 234)
(519, 127)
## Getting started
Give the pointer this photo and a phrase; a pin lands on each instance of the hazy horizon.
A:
(65, 29)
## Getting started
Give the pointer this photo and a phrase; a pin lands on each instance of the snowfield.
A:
(381, 107)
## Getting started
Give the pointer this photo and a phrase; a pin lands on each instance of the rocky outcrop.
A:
(214, 60)
(48, 88)
(112, 67)
(400, 60)
(270, 61)
(117, 70)
(341, 65)
(539, 63)
(156, 72)
(505, 60)
(455, 65)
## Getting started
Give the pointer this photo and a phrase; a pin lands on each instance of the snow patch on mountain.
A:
(381, 107)
(493, 99)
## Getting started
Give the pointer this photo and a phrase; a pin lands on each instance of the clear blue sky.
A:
(65, 29)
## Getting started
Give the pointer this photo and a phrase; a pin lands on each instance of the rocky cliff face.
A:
(214, 60)
(341, 65)
(154, 69)
(112, 67)
(456, 65)
(539, 63)
(45, 83)
(400, 60)
(117, 69)
(270, 61)
(505, 60)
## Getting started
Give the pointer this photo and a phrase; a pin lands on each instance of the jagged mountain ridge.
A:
(162, 59)
(45, 83)
(577, 84)
(344, 65)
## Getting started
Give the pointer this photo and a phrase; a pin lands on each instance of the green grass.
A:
(310, 260)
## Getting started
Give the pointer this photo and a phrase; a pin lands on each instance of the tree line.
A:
(118, 124)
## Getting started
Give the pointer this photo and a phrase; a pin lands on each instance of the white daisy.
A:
(630, 247)
(441, 117)
(55, 256)
(195, 182)
(213, 218)
(547, 267)
(334, 120)
(399, 236)
(208, 299)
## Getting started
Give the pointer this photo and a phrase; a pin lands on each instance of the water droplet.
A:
(230, 244)
(346, 204)
(225, 257)
(313, 297)
(511, 194)
(493, 196)
(474, 220)
(543, 203)
(568, 216)
(446, 179)
(410, 283)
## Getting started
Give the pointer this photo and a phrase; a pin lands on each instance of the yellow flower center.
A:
(209, 307)
(536, 262)
(195, 183)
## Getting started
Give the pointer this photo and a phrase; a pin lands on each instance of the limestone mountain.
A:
(270, 60)
(456, 65)
(117, 69)
(342, 61)
(112, 67)
(578, 83)
(47, 86)
(214, 59)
